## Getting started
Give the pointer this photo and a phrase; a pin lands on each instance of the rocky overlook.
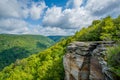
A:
(87, 61)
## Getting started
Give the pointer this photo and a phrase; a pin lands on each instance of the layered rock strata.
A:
(86, 61)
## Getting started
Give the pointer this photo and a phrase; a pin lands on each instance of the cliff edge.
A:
(87, 61)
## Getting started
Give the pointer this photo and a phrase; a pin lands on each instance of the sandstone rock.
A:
(85, 61)
(72, 64)
(81, 44)
(71, 48)
(95, 70)
(82, 53)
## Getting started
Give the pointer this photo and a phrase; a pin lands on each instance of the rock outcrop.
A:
(87, 61)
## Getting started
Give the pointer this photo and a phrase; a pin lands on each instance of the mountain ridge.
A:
(57, 38)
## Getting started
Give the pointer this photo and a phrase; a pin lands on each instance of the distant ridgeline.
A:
(14, 47)
(48, 64)
(57, 38)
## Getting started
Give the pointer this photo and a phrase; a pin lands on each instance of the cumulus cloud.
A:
(53, 20)
(68, 18)
(21, 9)
(53, 17)
(13, 26)
(37, 10)
(13, 13)
(74, 3)
(104, 8)
(9, 8)
(80, 16)
(38, 29)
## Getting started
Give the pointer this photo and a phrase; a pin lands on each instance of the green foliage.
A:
(14, 47)
(113, 56)
(46, 65)
(106, 29)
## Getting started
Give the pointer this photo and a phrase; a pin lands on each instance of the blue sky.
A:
(53, 17)
(50, 3)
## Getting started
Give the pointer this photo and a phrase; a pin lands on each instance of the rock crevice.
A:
(86, 61)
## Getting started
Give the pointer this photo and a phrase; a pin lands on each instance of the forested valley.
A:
(15, 47)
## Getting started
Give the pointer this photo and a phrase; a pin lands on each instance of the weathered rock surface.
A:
(86, 61)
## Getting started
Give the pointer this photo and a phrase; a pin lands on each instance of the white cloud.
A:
(53, 17)
(13, 13)
(13, 26)
(77, 3)
(103, 8)
(37, 10)
(78, 17)
(21, 9)
(19, 26)
(74, 3)
(9, 8)
(56, 20)
(38, 29)
(67, 19)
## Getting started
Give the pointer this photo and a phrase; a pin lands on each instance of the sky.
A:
(53, 17)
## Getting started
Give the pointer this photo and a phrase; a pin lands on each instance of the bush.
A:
(113, 59)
